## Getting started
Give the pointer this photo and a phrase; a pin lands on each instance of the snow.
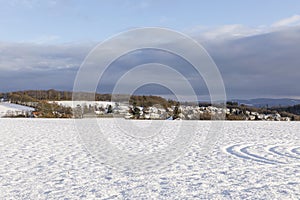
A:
(10, 107)
(81, 103)
(46, 159)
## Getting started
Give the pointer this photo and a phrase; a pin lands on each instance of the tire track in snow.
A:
(243, 151)
(246, 151)
(285, 154)
(295, 150)
(242, 154)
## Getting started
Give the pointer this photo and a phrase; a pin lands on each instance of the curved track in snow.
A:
(286, 152)
(296, 150)
(266, 155)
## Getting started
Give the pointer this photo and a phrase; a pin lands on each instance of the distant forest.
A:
(55, 95)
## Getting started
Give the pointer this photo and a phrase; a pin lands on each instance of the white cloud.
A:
(32, 56)
(293, 20)
(45, 39)
(226, 32)
(230, 31)
(234, 31)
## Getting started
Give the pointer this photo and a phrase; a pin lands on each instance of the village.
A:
(195, 113)
(106, 109)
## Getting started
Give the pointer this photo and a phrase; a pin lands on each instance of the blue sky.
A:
(79, 21)
(255, 44)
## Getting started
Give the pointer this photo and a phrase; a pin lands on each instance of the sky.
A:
(255, 44)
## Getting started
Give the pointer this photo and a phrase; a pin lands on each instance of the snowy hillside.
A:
(13, 109)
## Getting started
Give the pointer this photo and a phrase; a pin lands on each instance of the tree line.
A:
(55, 95)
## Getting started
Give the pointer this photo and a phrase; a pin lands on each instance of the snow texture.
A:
(45, 159)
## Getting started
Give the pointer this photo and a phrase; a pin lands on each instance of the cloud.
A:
(235, 31)
(262, 63)
(265, 65)
(228, 31)
(29, 65)
(127, 63)
(21, 56)
(293, 20)
(46, 39)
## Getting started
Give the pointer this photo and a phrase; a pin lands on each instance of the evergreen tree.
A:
(176, 111)
(109, 109)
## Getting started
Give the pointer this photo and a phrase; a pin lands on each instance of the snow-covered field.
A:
(10, 108)
(45, 159)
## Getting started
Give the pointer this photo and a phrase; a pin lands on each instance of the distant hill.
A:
(268, 102)
(295, 109)
(20, 97)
